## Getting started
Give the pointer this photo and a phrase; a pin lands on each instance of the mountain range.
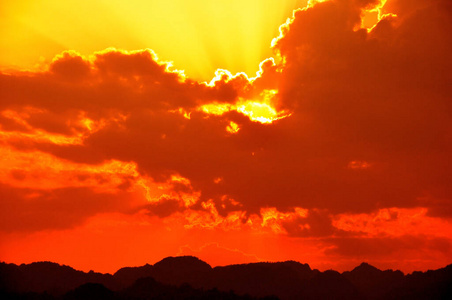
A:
(187, 277)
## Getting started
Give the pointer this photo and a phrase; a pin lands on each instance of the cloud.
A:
(31, 210)
(164, 207)
(378, 97)
(317, 223)
(412, 246)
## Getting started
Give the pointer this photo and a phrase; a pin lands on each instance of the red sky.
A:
(337, 152)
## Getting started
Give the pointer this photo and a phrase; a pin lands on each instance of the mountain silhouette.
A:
(188, 277)
(374, 283)
(331, 285)
(262, 279)
(47, 277)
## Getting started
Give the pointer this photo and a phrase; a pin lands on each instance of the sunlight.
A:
(254, 110)
(199, 36)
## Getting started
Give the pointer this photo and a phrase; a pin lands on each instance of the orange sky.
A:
(325, 140)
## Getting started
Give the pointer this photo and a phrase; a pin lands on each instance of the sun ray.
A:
(233, 35)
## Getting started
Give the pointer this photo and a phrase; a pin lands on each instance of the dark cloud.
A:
(378, 247)
(370, 126)
(71, 67)
(318, 223)
(164, 207)
(26, 209)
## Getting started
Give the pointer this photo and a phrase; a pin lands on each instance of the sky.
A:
(234, 131)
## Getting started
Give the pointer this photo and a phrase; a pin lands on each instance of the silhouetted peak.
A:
(181, 269)
(141, 269)
(303, 271)
(297, 265)
(287, 269)
(45, 265)
(372, 281)
(47, 269)
(128, 275)
(42, 263)
(365, 268)
(183, 263)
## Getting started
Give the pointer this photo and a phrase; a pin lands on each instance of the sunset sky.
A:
(233, 130)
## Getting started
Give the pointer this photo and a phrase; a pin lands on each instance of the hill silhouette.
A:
(188, 277)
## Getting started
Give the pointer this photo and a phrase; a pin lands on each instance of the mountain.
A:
(435, 284)
(372, 282)
(170, 270)
(188, 277)
(40, 277)
(282, 279)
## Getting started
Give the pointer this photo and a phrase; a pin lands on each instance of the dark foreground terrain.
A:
(190, 278)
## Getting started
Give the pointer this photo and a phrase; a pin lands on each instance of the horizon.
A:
(232, 264)
(188, 277)
(220, 266)
(238, 131)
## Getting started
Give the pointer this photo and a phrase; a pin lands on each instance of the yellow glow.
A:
(156, 192)
(41, 136)
(209, 218)
(256, 111)
(261, 110)
(272, 218)
(198, 35)
(180, 179)
(216, 108)
(232, 127)
(369, 19)
(314, 2)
